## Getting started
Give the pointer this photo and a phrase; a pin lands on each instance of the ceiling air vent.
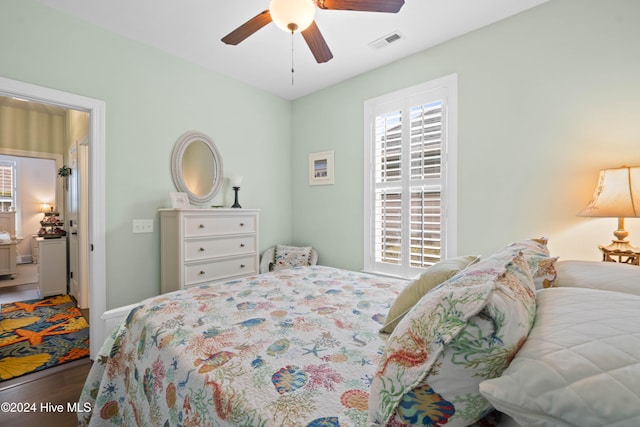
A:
(386, 40)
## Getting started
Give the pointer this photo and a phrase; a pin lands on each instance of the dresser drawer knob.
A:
(242, 224)
(201, 249)
(242, 266)
(242, 245)
(202, 272)
(201, 226)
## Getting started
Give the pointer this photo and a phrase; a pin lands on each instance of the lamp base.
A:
(236, 204)
(620, 251)
(620, 246)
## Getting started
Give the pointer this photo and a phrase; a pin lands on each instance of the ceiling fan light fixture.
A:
(292, 15)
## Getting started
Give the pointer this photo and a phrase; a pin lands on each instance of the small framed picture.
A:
(321, 168)
(179, 200)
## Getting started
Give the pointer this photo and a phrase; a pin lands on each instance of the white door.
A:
(71, 221)
(78, 223)
(83, 223)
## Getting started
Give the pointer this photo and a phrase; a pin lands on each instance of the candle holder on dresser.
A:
(235, 184)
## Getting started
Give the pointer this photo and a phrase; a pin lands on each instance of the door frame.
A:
(97, 206)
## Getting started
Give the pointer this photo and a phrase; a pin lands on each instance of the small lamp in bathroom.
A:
(235, 184)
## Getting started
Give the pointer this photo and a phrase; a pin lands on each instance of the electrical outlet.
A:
(143, 226)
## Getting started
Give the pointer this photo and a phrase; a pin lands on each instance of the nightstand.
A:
(625, 257)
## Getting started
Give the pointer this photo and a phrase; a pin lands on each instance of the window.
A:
(7, 184)
(410, 172)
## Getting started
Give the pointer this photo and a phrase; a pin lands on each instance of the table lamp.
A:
(617, 195)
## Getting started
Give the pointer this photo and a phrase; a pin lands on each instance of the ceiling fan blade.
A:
(389, 6)
(316, 43)
(248, 28)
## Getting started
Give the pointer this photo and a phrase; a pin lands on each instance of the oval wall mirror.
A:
(196, 167)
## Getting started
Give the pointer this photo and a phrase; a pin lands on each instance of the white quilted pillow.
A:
(608, 276)
(580, 365)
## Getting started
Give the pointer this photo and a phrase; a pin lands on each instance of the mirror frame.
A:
(176, 166)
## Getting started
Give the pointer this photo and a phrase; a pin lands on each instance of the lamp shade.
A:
(300, 13)
(617, 194)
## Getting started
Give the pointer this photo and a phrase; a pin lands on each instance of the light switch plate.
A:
(143, 226)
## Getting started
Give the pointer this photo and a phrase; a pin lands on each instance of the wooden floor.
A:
(54, 386)
(21, 286)
(60, 385)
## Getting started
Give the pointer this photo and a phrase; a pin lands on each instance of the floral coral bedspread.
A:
(297, 347)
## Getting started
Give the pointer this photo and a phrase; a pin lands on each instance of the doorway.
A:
(96, 255)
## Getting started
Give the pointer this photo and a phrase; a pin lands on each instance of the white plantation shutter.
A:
(425, 227)
(388, 189)
(7, 183)
(388, 226)
(426, 184)
(410, 179)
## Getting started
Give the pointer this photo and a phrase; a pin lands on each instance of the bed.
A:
(304, 347)
(8, 253)
(293, 347)
(8, 244)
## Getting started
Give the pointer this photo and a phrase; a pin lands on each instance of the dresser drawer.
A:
(221, 246)
(210, 226)
(199, 246)
(220, 269)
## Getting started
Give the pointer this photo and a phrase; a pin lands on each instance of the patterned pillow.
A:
(291, 256)
(459, 334)
(543, 267)
(429, 279)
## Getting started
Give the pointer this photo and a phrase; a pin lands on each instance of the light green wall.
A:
(151, 99)
(547, 98)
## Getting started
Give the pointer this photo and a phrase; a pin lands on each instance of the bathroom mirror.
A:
(196, 167)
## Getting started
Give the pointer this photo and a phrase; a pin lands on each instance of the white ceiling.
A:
(192, 29)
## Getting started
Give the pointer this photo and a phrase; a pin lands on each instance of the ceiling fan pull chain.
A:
(291, 57)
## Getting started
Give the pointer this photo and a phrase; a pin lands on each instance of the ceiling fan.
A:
(297, 16)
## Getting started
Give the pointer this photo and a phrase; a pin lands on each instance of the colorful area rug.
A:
(39, 334)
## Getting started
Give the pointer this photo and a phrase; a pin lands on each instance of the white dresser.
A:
(52, 266)
(199, 246)
(34, 248)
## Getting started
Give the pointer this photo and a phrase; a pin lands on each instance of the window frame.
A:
(441, 89)
(12, 200)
